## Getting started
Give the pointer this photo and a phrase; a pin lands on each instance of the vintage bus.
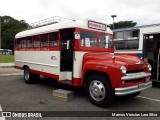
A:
(143, 42)
(80, 53)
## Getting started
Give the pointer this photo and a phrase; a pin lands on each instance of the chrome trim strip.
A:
(37, 63)
(133, 76)
(133, 89)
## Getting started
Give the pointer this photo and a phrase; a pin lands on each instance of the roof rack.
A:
(48, 21)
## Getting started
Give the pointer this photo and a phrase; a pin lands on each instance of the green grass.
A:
(6, 58)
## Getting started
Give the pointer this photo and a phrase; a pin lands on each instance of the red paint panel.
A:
(45, 74)
(17, 67)
(76, 82)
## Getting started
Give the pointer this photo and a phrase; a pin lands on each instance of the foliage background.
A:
(9, 28)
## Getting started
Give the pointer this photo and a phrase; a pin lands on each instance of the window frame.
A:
(28, 41)
(98, 48)
(58, 39)
(25, 44)
(96, 36)
(133, 38)
(41, 39)
(15, 43)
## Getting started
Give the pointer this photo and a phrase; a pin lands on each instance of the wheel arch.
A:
(25, 66)
(88, 73)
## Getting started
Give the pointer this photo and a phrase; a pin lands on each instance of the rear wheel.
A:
(99, 91)
(30, 77)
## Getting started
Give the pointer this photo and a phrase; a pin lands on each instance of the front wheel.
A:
(30, 77)
(99, 91)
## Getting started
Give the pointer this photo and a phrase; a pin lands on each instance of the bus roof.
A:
(136, 27)
(57, 26)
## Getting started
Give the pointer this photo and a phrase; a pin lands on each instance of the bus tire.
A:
(29, 77)
(99, 91)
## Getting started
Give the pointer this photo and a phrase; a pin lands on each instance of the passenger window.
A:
(105, 41)
(36, 41)
(30, 43)
(44, 40)
(24, 42)
(18, 43)
(53, 41)
(88, 39)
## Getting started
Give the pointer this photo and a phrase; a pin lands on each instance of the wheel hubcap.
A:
(97, 90)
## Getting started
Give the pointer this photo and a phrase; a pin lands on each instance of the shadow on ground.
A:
(119, 102)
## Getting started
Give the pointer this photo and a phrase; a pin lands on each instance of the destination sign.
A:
(96, 25)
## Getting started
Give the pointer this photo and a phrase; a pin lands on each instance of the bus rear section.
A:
(49, 54)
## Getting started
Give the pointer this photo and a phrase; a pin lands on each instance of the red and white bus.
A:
(80, 53)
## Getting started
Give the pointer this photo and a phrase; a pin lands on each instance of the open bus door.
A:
(66, 55)
(151, 53)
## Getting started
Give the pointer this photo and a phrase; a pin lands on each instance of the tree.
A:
(123, 24)
(9, 28)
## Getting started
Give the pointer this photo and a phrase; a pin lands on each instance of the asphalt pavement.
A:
(16, 95)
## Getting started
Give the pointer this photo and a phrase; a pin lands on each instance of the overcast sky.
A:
(140, 11)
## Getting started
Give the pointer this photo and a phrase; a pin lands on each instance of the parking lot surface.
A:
(9, 70)
(15, 95)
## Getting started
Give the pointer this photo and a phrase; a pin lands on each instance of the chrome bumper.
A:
(133, 76)
(132, 89)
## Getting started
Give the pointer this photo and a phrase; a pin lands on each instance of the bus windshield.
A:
(91, 39)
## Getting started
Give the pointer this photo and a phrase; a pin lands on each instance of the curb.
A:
(12, 74)
(6, 66)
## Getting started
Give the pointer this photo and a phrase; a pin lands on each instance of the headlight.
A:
(149, 67)
(123, 69)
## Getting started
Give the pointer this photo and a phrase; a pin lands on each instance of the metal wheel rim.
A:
(97, 90)
(26, 74)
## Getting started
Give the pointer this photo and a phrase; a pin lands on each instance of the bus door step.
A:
(68, 82)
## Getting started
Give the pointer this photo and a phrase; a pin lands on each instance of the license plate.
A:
(141, 86)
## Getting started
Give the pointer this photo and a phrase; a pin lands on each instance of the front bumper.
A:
(133, 76)
(132, 89)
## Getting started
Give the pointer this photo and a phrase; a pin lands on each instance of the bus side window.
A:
(24, 42)
(36, 41)
(105, 41)
(88, 39)
(53, 41)
(18, 43)
(44, 40)
(29, 40)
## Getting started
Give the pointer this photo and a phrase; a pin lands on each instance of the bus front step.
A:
(68, 82)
